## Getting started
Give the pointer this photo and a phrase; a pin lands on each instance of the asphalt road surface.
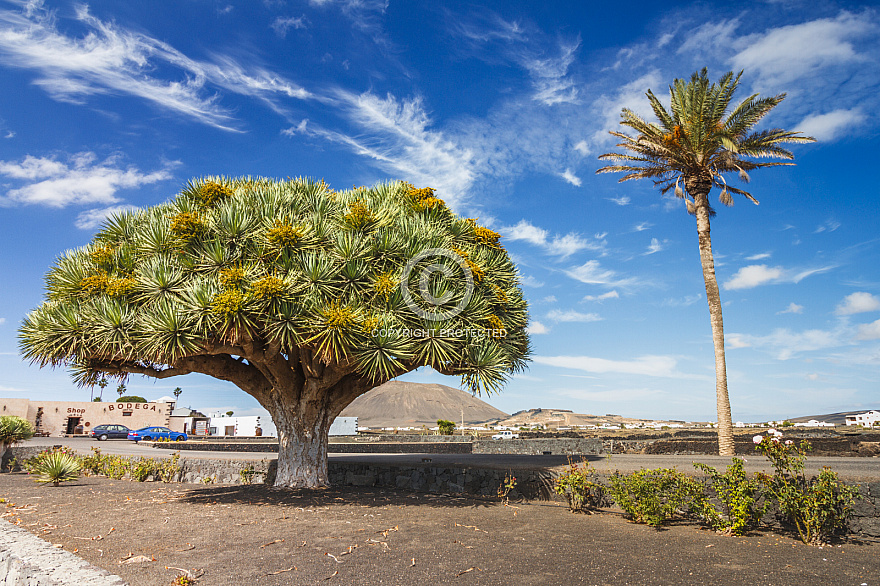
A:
(848, 468)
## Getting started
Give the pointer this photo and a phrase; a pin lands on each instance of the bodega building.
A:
(61, 418)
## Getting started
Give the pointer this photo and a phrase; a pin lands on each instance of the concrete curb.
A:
(27, 560)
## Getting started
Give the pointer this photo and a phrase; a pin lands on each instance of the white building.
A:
(247, 425)
(813, 423)
(866, 419)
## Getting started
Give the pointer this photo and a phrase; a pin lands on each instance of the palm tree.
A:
(177, 391)
(302, 296)
(121, 389)
(693, 146)
(102, 383)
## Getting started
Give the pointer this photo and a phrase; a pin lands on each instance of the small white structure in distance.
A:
(245, 425)
(867, 419)
(344, 426)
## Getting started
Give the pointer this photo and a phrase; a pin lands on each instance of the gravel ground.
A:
(253, 534)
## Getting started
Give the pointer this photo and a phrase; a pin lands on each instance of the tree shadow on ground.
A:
(260, 495)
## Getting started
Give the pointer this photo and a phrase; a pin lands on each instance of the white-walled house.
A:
(245, 425)
(867, 419)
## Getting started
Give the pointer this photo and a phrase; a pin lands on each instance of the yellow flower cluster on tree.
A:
(212, 192)
(500, 295)
(487, 236)
(269, 287)
(386, 284)
(424, 198)
(370, 324)
(102, 254)
(359, 215)
(495, 325)
(336, 316)
(284, 234)
(227, 303)
(187, 225)
(477, 272)
(232, 277)
(101, 282)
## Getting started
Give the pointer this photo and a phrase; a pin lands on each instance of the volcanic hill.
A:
(405, 404)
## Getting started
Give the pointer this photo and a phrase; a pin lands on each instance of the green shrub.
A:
(247, 474)
(816, 508)
(169, 469)
(581, 488)
(56, 467)
(93, 464)
(656, 496)
(738, 496)
(142, 468)
(446, 427)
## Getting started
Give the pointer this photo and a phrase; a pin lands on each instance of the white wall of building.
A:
(866, 419)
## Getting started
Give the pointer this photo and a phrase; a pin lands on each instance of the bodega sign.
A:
(130, 406)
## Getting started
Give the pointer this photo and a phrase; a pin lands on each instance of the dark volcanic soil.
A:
(255, 535)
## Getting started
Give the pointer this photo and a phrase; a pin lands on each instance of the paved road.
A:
(861, 469)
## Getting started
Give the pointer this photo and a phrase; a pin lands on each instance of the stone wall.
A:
(537, 447)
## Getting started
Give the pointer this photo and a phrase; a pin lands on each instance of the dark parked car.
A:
(154, 433)
(105, 432)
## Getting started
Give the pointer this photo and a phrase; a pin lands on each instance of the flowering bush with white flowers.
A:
(817, 507)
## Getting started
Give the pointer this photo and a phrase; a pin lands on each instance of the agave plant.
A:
(13, 429)
(56, 467)
(302, 296)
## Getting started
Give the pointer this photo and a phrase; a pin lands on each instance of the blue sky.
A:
(502, 107)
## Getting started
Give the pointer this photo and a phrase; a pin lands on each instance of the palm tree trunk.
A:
(725, 423)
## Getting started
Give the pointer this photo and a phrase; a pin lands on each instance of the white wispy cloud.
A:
(829, 225)
(91, 219)
(592, 273)
(81, 180)
(792, 308)
(829, 126)
(755, 275)
(571, 178)
(109, 59)
(283, 24)
(869, 331)
(783, 343)
(550, 75)
(784, 54)
(662, 366)
(656, 246)
(536, 328)
(562, 246)
(2, 320)
(858, 302)
(602, 297)
(685, 301)
(623, 200)
(530, 281)
(398, 136)
(572, 316)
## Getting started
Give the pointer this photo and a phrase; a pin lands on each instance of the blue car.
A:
(154, 433)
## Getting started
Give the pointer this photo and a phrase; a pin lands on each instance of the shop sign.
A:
(130, 406)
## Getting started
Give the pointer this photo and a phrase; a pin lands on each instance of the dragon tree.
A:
(302, 296)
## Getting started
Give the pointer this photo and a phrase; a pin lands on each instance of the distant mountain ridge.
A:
(405, 404)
